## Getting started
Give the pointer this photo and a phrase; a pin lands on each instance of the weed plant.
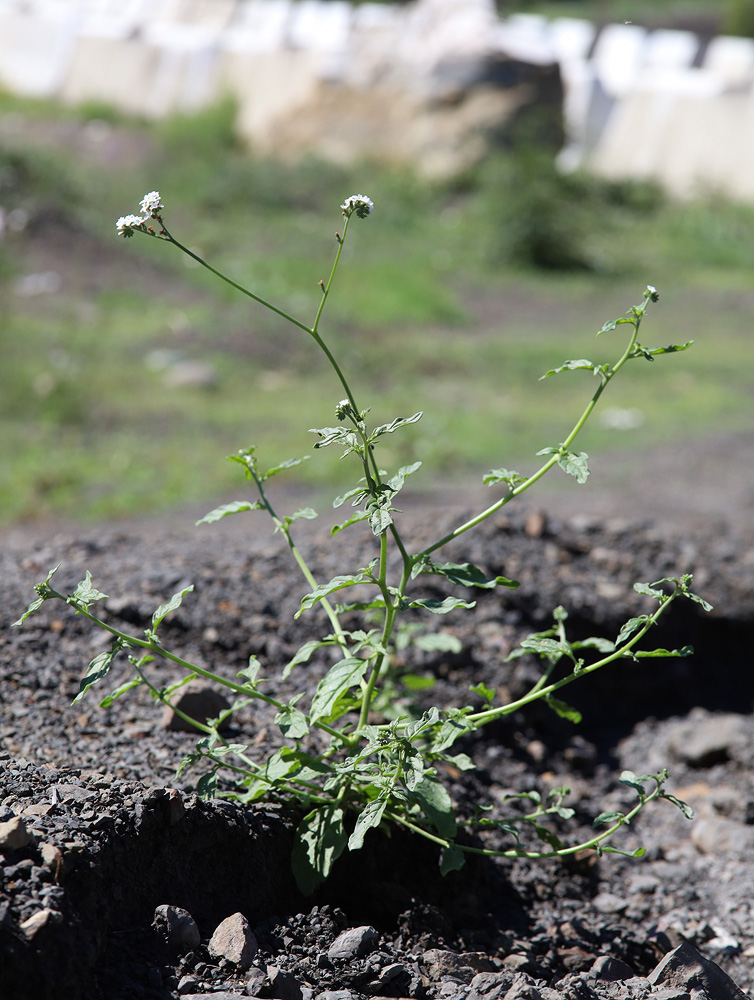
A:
(373, 769)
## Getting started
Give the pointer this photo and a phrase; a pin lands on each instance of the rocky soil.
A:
(102, 848)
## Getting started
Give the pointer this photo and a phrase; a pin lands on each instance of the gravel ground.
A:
(96, 831)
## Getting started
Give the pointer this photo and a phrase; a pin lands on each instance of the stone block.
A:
(36, 50)
(618, 57)
(571, 38)
(320, 25)
(731, 59)
(260, 26)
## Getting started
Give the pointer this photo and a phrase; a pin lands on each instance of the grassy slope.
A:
(438, 306)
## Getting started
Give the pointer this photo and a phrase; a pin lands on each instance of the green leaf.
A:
(509, 476)
(396, 482)
(86, 593)
(438, 642)
(305, 513)
(548, 837)
(290, 463)
(292, 722)
(613, 323)
(97, 669)
(436, 803)
(484, 692)
(453, 727)
(380, 519)
(363, 515)
(467, 575)
(440, 607)
(451, 860)
(251, 672)
(339, 679)
(670, 349)
(608, 818)
(575, 465)
(234, 507)
(172, 605)
(331, 587)
(571, 366)
(563, 710)
(320, 840)
(635, 781)
(370, 817)
(650, 590)
(631, 626)
(594, 642)
(304, 653)
(394, 425)
(685, 808)
(206, 786)
(542, 646)
(683, 651)
(43, 590)
(120, 690)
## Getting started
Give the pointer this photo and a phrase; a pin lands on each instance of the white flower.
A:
(651, 293)
(358, 203)
(127, 223)
(151, 204)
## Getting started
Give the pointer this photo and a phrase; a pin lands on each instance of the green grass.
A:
(452, 299)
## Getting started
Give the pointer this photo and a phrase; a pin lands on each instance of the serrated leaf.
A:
(437, 805)
(650, 591)
(685, 808)
(683, 651)
(380, 519)
(440, 607)
(369, 818)
(635, 781)
(484, 692)
(331, 587)
(172, 605)
(251, 672)
(509, 476)
(292, 723)
(396, 482)
(86, 593)
(582, 363)
(631, 626)
(563, 710)
(303, 654)
(290, 463)
(97, 669)
(607, 818)
(120, 690)
(363, 515)
(438, 642)
(305, 513)
(671, 348)
(451, 729)
(234, 507)
(468, 575)
(320, 840)
(575, 465)
(394, 425)
(451, 860)
(339, 679)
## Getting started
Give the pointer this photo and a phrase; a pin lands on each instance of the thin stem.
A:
(552, 460)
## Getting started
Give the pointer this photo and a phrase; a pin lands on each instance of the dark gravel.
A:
(98, 831)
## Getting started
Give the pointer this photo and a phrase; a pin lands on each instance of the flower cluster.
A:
(358, 203)
(127, 224)
(150, 205)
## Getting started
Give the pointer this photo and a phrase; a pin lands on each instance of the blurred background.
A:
(534, 165)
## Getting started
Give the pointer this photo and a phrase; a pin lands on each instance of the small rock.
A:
(33, 924)
(199, 701)
(177, 928)
(355, 942)
(706, 739)
(283, 985)
(335, 995)
(713, 836)
(490, 986)
(187, 984)
(14, 835)
(176, 808)
(255, 982)
(684, 968)
(233, 939)
(52, 857)
(610, 969)
(608, 902)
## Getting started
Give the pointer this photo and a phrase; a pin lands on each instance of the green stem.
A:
(552, 460)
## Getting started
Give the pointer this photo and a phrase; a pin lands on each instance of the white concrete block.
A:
(116, 70)
(671, 49)
(319, 26)
(259, 26)
(36, 52)
(618, 57)
(571, 38)
(732, 59)
(526, 37)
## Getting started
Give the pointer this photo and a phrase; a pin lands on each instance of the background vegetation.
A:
(453, 299)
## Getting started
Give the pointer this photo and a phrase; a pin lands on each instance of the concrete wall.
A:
(418, 83)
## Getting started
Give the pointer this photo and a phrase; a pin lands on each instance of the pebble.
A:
(177, 928)
(14, 835)
(234, 940)
(353, 943)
